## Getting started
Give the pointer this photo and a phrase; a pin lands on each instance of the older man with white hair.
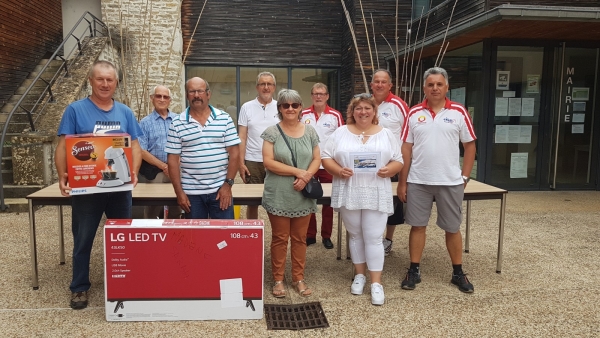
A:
(154, 167)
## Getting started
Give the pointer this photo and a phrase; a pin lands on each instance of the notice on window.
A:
(527, 106)
(458, 95)
(577, 129)
(514, 106)
(518, 165)
(501, 106)
(513, 134)
(508, 93)
(501, 134)
(579, 106)
(578, 118)
(525, 134)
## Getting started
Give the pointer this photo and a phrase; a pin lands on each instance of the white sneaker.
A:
(377, 296)
(358, 284)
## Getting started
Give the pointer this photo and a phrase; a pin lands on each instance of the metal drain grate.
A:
(295, 316)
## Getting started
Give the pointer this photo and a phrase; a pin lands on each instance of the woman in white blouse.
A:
(362, 156)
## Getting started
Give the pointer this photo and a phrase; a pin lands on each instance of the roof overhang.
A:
(518, 22)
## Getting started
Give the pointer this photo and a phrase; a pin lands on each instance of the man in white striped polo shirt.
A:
(203, 156)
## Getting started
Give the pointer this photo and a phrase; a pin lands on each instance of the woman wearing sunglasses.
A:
(362, 156)
(289, 211)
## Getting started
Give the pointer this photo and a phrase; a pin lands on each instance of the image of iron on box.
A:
(99, 163)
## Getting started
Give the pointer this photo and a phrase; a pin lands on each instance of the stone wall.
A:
(146, 39)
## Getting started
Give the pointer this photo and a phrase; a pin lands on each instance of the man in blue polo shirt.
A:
(203, 156)
(99, 114)
(154, 167)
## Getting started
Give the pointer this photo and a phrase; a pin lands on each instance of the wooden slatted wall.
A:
(30, 29)
(267, 32)
(565, 3)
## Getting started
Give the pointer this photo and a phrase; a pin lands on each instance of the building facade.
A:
(527, 71)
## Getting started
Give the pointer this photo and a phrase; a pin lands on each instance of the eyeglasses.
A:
(265, 84)
(319, 94)
(197, 91)
(363, 96)
(287, 105)
(161, 97)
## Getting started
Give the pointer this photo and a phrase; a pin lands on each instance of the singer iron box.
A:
(99, 163)
(181, 269)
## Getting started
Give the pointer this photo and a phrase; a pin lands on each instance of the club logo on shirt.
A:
(421, 118)
(327, 124)
(386, 113)
(447, 120)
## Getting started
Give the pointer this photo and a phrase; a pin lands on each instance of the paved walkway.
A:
(549, 285)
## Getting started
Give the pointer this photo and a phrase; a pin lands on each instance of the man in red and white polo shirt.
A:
(431, 154)
(325, 120)
(392, 112)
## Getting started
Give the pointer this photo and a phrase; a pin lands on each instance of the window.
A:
(421, 7)
(228, 94)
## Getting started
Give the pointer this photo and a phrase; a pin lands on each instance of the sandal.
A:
(304, 292)
(278, 293)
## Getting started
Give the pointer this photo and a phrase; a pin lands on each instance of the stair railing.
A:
(95, 27)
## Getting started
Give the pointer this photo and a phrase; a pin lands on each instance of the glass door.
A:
(516, 102)
(572, 165)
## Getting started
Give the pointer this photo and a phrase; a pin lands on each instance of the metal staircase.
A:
(20, 114)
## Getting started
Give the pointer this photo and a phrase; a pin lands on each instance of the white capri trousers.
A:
(366, 234)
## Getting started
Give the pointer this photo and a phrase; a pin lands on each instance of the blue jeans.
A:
(86, 213)
(205, 206)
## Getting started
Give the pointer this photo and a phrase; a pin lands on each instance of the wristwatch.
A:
(229, 181)
(466, 179)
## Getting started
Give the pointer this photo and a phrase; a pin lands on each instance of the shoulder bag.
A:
(313, 188)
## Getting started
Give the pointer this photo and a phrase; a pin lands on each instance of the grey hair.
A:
(103, 64)
(435, 71)
(154, 90)
(266, 74)
(287, 96)
(389, 74)
(319, 85)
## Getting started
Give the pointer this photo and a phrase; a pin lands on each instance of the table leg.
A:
(501, 234)
(339, 239)
(61, 237)
(347, 245)
(468, 227)
(33, 248)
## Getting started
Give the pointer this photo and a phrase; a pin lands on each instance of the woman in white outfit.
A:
(362, 156)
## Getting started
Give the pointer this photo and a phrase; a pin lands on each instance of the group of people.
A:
(282, 145)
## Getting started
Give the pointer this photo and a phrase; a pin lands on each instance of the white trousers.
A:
(366, 234)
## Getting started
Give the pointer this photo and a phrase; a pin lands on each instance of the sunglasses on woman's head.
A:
(287, 105)
(363, 96)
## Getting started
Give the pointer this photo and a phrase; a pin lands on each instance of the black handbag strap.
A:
(286, 142)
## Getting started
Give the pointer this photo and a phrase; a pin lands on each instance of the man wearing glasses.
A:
(256, 116)
(325, 120)
(392, 112)
(203, 156)
(154, 167)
